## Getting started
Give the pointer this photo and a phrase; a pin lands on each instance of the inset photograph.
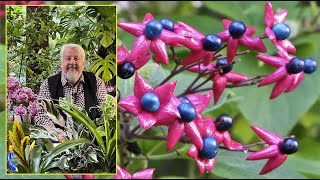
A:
(61, 89)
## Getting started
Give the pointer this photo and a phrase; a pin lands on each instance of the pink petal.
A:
(122, 174)
(35, 3)
(224, 35)
(280, 16)
(168, 112)
(158, 47)
(253, 43)
(267, 136)
(202, 68)
(281, 86)
(268, 15)
(200, 101)
(201, 165)
(219, 84)
(196, 34)
(232, 48)
(284, 54)
(229, 143)
(140, 46)
(144, 174)
(2, 13)
(193, 133)
(297, 79)
(169, 37)
(168, 88)
(141, 86)
(271, 35)
(131, 104)
(277, 75)
(226, 23)
(265, 153)
(122, 54)
(146, 120)
(250, 31)
(272, 60)
(208, 58)
(193, 57)
(287, 45)
(134, 28)
(148, 17)
(193, 152)
(88, 176)
(142, 60)
(209, 164)
(235, 77)
(206, 126)
(273, 164)
(175, 131)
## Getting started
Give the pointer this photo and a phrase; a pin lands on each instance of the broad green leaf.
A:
(61, 148)
(233, 165)
(303, 166)
(35, 158)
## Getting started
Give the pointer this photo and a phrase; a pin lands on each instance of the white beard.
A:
(72, 75)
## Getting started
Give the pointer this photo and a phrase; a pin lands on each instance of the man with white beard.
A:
(83, 88)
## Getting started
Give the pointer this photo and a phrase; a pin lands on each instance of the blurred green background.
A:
(295, 113)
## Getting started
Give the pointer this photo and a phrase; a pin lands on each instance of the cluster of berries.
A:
(182, 114)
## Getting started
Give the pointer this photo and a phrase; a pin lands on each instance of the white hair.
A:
(72, 46)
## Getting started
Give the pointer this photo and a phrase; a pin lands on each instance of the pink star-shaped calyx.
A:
(143, 43)
(122, 57)
(195, 39)
(271, 152)
(219, 78)
(178, 127)
(166, 112)
(272, 19)
(285, 81)
(245, 40)
(143, 174)
(208, 128)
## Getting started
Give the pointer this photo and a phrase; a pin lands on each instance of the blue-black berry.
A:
(126, 70)
(184, 99)
(281, 30)
(150, 102)
(289, 146)
(187, 112)
(223, 122)
(227, 67)
(167, 24)
(153, 29)
(210, 147)
(295, 65)
(237, 29)
(310, 65)
(212, 42)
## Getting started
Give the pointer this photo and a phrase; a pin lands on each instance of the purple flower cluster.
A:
(21, 100)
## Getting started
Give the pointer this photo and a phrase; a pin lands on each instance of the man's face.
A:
(72, 64)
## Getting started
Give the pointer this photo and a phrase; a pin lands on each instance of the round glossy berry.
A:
(210, 147)
(126, 70)
(212, 42)
(150, 102)
(310, 65)
(118, 95)
(167, 24)
(187, 112)
(153, 29)
(237, 29)
(184, 99)
(223, 122)
(227, 67)
(289, 146)
(295, 65)
(281, 30)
